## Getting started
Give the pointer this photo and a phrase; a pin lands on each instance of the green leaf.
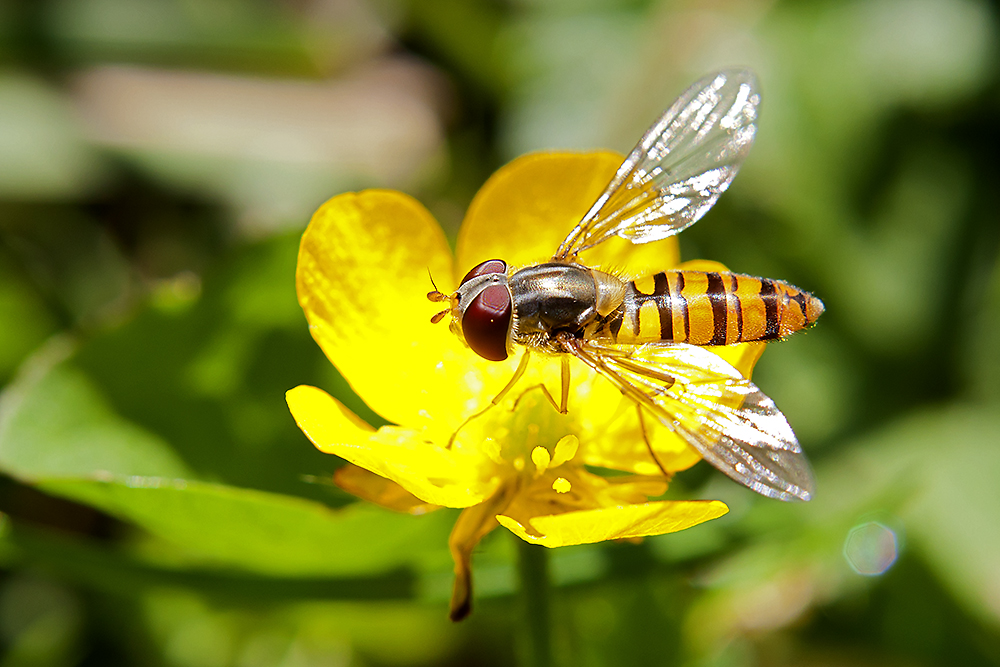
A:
(264, 532)
(934, 475)
(953, 521)
(39, 134)
(981, 355)
(110, 570)
(19, 303)
(55, 423)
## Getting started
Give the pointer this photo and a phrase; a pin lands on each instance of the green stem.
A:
(533, 571)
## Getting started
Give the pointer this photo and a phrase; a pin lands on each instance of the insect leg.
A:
(562, 407)
(601, 366)
(649, 446)
(545, 391)
(522, 366)
(564, 399)
(574, 347)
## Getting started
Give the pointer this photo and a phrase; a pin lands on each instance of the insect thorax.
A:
(551, 298)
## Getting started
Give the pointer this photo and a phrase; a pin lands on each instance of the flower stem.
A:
(533, 571)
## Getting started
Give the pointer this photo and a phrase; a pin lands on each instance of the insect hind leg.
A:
(574, 347)
(649, 445)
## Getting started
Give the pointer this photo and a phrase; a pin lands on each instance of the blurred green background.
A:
(160, 158)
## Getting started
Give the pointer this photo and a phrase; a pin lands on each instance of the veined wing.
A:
(707, 402)
(679, 168)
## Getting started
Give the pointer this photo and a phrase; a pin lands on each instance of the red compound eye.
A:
(489, 266)
(487, 321)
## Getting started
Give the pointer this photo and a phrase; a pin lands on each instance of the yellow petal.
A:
(528, 207)
(379, 490)
(449, 477)
(608, 426)
(362, 281)
(743, 356)
(472, 525)
(615, 523)
(622, 447)
(707, 265)
(576, 490)
(630, 261)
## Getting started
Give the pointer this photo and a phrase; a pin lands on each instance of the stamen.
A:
(491, 448)
(541, 458)
(561, 485)
(565, 449)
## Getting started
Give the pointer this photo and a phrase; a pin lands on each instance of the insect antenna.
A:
(436, 296)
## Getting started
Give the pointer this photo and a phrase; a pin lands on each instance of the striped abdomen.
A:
(709, 309)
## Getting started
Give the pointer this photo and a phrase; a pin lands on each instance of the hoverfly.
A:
(647, 336)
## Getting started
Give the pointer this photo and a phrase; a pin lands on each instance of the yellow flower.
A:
(362, 280)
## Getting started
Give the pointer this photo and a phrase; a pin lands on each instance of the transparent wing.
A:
(679, 168)
(707, 402)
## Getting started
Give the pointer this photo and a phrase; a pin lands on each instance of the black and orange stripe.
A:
(709, 308)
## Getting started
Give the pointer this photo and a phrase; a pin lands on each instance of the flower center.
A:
(532, 440)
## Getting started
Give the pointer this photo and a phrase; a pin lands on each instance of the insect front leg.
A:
(522, 366)
(564, 398)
